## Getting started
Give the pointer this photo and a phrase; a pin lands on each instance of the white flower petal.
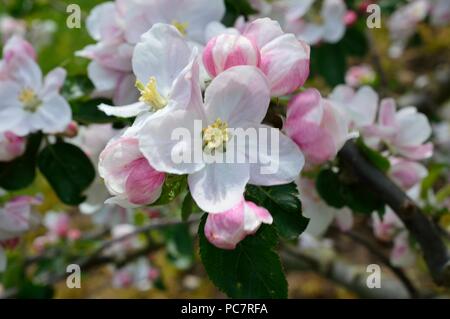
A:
(238, 95)
(219, 187)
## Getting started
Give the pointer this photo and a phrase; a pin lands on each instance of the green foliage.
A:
(284, 205)
(87, 112)
(236, 8)
(189, 207)
(68, 170)
(355, 195)
(173, 186)
(180, 246)
(252, 270)
(21, 172)
(329, 61)
(377, 159)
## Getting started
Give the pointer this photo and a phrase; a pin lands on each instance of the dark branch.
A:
(421, 228)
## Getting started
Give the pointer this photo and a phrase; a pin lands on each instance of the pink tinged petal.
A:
(407, 173)
(413, 127)
(186, 91)
(387, 112)
(114, 163)
(126, 92)
(53, 115)
(102, 22)
(333, 11)
(115, 54)
(104, 79)
(162, 53)
(262, 31)
(238, 96)
(219, 186)
(11, 146)
(285, 61)
(226, 51)
(54, 81)
(344, 219)
(225, 230)
(261, 213)
(18, 46)
(402, 254)
(278, 162)
(197, 14)
(144, 183)
(175, 152)
(305, 109)
(417, 153)
(25, 71)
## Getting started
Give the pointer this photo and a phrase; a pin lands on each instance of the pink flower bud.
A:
(228, 50)
(74, 234)
(71, 130)
(316, 126)
(11, 146)
(128, 175)
(350, 18)
(225, 230)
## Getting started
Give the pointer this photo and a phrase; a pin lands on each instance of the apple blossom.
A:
(15, 219)
(404, 132)
(166, 69)
(11, 146)
(402, 254)
(316, 126)
(29, 103)
(388, 226)
(359, 106)
(226, 229)
(407, 173)
(262, 43)
(403, 22)
(119, 25)
(359, 75)
(10, 27)
(320, 215)
(57, 223)
(331, 27)
(236, 99)
(440, 12)
(127, 174)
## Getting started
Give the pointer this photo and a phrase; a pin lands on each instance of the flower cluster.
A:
(251, 65)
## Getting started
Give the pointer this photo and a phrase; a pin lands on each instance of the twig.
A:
(424, 230)
(374, 251)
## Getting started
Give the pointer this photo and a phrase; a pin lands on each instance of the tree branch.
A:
(421, 228)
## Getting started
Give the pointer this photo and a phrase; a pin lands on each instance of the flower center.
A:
(150, 94)
(29, 100)
(182, 27)
(215, 136)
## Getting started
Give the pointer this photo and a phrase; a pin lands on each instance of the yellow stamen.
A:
(215, 135)
(30, 100)
(182, 27)
(150, 94)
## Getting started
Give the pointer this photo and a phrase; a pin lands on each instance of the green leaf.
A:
(173, 186)
(252, 270)
(180, 246)
(284, 204)
(21, 172)
(87, 112)
(355, 42)
(189, 207)
(355, 195)
(236, 8)
(68, 170)
(77, 87)
(329, 188)
(330, 62)
(378, 160)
